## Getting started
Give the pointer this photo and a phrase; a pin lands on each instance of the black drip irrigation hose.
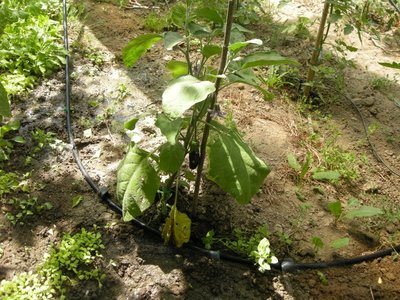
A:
(287, 265)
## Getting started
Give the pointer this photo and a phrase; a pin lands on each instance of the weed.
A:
(317, 242)
(9, 182)
(95, 57)
(301, 170)
(42, 139)
(6, 145)
(30, 43)
(208, 240)
(256, 247)
(245, 245)
(26, 286)
(335, 208)
(72, 261)
(345, 162)
(372, 128)
(299, 29)
(76, 200)
(277, 77)
(322, 277)
(285, 238)
(123, 92)
(154, 22)
(23, 208)
(354, 210)
(381, 83)
(340, 243)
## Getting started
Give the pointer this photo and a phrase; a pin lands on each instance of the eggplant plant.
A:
(191, 119)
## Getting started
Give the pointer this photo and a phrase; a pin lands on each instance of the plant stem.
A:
(206, 132)
(317, 50)
(395, 6)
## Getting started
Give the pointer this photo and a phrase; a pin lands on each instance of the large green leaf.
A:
(326, 176)
(393, 65)
(364, 211)
(335, 208)
(171, 39)
(137, 47)
(293, 163)
(233, 165)
(209, 14)
(137, 183)
(248, 77)
(198, 30)
(4, 104)
(178, 15)
(236, 47)
(266, 58)
(177, 68)
(171, 157)
(169, 129)
(211, 50)
(183, 92)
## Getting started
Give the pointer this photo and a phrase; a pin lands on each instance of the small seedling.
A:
(42, 139)
(7, 145)
(335, 208)
(23, 208)
(301, 169)
(76, 200)
(317, 242)
(208, 240)
(381, 83)
(285, 237)
(263, 256)
(322, 278)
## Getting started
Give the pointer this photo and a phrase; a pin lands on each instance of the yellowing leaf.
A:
(177, 226)
(181, 228)
(166, 232)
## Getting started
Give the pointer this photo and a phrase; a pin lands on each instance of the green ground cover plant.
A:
(30, 42)
(74, 260)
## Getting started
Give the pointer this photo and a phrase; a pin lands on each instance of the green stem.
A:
(317, 50)
(206, 132)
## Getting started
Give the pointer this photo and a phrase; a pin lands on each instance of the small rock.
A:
(325, 203)
(369, 101)
(373, 110)
(311, 282)
(371, 188)
(391, 229)
(306, 250)
(390, 276)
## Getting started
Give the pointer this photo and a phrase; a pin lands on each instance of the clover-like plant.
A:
(191, 120)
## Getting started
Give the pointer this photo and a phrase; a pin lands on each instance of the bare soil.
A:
(143, 268)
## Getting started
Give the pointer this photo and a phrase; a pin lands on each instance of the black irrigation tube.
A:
(287, 265)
